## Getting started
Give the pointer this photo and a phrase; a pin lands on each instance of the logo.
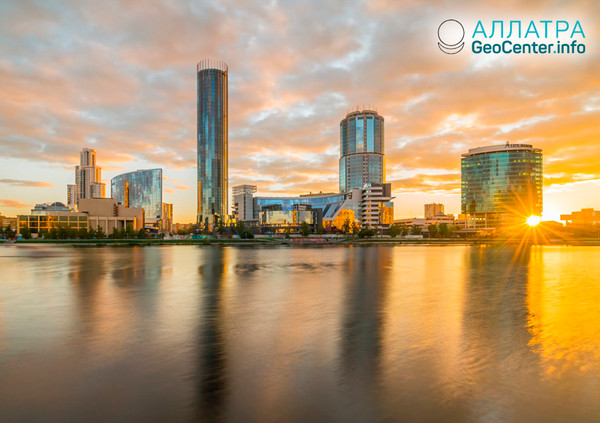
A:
(451, 34)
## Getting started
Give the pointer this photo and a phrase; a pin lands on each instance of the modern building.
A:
(141, 189)
(212, 133)
(93, 213)
(501, 185)
(433, 209)
(243, 204)
(369, 207)
(362, 159)
(376, 206)
(88, 179)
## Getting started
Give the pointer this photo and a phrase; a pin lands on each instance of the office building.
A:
(369, 207)
(212, 118)
(88, 179)
(243, 205)
(433, 209)
(501, 184)
(362, 159)
(143, 189)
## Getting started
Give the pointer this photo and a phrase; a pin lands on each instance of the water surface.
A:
(332, 334)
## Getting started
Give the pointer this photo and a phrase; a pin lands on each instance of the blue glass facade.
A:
(502, 179)
(142, 188)
(328, 204)
(212, 108)
(362, 159)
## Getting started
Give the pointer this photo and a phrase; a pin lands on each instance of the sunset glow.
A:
(120, 78)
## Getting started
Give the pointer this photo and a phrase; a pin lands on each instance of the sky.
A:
(119, 76)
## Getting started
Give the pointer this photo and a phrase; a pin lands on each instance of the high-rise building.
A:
(88, 179)
(142, 188)
(501, 183)
(243, 205)
(212, 76)
(72, 195)
(433, 209)
(362, 159)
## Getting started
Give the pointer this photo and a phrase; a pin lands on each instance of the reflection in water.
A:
(212, 371)
(496, 372)
(345, 334)
(365, 280)
(563, 298)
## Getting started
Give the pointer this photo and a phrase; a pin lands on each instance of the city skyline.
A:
(132, 98)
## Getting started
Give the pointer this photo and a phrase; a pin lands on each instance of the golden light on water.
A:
(534, 220)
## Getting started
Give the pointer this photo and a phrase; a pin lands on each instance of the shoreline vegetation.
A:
(303, 241)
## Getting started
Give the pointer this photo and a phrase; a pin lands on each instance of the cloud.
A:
(120, 77)
(22, 183)
(4, 202)
(182, 187)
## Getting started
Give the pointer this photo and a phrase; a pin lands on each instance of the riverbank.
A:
(304, 241)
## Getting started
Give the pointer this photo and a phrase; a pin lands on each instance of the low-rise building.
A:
(582, 217)
(6, 221)
(94, 213)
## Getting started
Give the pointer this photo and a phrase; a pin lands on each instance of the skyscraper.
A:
(362, 159)
(501, 181)
(212, 76)
(88, 179)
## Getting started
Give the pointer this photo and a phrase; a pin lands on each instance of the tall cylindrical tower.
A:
(212, 78)
(362, 159)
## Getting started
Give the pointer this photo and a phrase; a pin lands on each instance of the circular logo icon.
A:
(451, 34)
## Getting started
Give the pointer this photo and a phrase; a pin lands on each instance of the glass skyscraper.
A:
(142, 188)
(362, 159)
(503, 179)
(212, 78)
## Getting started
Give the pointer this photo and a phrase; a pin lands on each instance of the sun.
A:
(534, 220)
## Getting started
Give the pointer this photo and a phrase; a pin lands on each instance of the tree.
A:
(129, 231)
(142, 234)
(320, 230)
(355, 228)
(305, 229)
(433, 231)
(287, 233)
(9, 233)
(53, 234)
(395, 230)
(444, 230)
(26, 232)
(366, 233)
(416, 230)
(100, 233)
(346, 226)
(240, 229)
(83, 233)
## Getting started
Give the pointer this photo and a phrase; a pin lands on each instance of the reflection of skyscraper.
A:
(142, 188)
(212, 76)
(362, 159)
(212, 379)
(88, 179)
(501, 180)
